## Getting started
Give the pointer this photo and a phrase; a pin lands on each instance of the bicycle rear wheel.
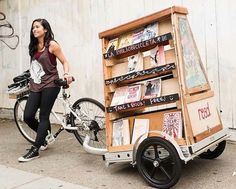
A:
(24, 129)
(92, 114)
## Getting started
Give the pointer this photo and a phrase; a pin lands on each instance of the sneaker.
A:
(32, 154)
(44, 146)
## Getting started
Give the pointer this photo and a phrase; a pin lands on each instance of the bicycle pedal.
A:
(50, 139)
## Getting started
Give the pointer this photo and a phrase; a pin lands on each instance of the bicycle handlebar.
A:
(62, 83)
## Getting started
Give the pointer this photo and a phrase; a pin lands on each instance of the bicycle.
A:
(84, 117)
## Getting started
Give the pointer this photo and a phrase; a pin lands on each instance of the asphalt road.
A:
(67, 161)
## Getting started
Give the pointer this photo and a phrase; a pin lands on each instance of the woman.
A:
(43, 50)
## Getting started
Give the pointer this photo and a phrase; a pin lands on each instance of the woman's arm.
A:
(55, 49)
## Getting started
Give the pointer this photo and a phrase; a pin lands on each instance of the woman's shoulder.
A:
(53, 45)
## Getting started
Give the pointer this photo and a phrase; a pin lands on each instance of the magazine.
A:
(134, 93)
(121, 133)
(125, 40)
(141, 127)
(119, 96)
(157, 56)
(137, 36)
(150, 31)
(152, 88)
(112, 45)
(172, 124)
(135, 63)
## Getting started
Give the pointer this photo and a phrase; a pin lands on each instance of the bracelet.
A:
(65, 74)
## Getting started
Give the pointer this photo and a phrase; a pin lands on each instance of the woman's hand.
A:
(68, 78)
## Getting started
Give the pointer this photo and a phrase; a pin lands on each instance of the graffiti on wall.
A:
(7, 35)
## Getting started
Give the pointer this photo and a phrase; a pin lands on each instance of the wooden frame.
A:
(179, 95)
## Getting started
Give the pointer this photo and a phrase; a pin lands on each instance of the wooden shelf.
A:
(139, 47)
(143, 103)
(141, 75)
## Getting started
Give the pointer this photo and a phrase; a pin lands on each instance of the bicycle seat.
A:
(23, 76)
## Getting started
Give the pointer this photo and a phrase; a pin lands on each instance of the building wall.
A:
(76, 24)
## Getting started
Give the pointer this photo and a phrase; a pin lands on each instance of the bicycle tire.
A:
(24, 129)
(98, 140)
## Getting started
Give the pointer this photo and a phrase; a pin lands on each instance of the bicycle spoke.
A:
(165, 172)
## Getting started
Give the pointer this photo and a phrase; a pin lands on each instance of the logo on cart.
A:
(204, 112)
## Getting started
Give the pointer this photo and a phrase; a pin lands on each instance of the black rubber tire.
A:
(212, 154)
(23, 125)
(78, 133)
(168, 168)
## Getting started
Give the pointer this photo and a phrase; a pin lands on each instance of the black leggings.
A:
(44, 101)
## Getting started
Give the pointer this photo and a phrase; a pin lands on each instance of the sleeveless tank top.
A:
(43, 70)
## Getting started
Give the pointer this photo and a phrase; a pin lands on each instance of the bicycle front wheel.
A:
(92, 115)
(24, 129)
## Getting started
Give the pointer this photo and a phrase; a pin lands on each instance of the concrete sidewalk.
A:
(66, 162)
(11, 178)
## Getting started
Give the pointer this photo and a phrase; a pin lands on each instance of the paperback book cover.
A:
(121, 133)
(134, 93)
(152, 88)
(135, 63)
(150, 31)
(119, 96)
(157, 56)
(141, 127)
(137, 36)
(172, 124)
(125, 40)
(112, 45)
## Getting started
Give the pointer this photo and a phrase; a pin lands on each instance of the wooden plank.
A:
(142, 22)
(208, 133)
(199, 89)
(200, 96)
(180, 68)
(107, 97)
(123, 148)
(139, 47)
(144, 103)
(140, 75)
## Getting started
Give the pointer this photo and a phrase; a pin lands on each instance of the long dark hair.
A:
(34, 41)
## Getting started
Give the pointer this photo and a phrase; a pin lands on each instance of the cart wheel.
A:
(158, 162)
(214, 152)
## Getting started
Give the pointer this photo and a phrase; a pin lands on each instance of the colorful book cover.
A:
(134, 93)
(152, 88)
(125, 40)
(172, 124)
(150, 31)
(112, 45)
(137, 37)
(157, 56)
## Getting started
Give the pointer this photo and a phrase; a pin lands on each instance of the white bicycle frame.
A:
(67, 106)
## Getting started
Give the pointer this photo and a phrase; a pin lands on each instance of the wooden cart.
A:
(183, 121)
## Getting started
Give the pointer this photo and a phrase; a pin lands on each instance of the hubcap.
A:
(156, 163)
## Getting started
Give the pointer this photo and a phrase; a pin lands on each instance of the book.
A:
(157, 56)
(150, 31)
(172, 124)
(121, 133)
(141, 127)
(119, 96)
(134, 93)
(152, 88)
(112, 45)
(135, 63)
(125, 40)
(137, 37)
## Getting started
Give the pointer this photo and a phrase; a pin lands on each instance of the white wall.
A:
(76, 24)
